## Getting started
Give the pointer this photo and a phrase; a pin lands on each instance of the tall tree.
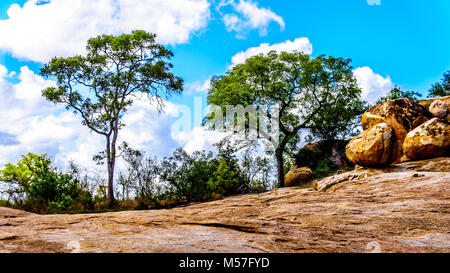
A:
(318, 94)
(442, 88)
(113, 71)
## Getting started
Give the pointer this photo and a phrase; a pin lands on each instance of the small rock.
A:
(297, 177)
(404, 158)
(439, 108)
(429, 140)
(372, 147)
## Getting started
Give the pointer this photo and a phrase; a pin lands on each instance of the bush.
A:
(59, 191)
(187, 175)
(226, 177)
(200, 176)
(4, 203)
(317, 160)
(34, 184)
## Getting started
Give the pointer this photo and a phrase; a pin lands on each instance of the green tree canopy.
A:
(397, 93)
(34, 180)
(113, 71)
(442, 88)
(318, 94)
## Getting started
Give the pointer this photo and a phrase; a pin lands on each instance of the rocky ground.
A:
(403, 208)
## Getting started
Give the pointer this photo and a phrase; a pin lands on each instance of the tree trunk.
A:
(280, 166)
(111, 162)
(111, 181)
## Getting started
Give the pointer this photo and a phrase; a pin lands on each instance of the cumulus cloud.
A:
(199, 138)
(197, 86)
(246, 16)
(23, 113)
(41, 30)
(373, 85)
(300, 44)
(31, 124)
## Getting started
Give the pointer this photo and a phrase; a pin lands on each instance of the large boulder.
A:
(298, 176)
(372, 147)
(403, 115)
(431, 139)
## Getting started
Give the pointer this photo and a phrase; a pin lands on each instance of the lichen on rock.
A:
(372, 147)
(403, 115)
(431, 139)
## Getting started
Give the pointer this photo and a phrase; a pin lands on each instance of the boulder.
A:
(318, 145)
(439, 109)
(427, 102)
(335, 149)
(338, 156)
(296, 177)
(437, 102)
(372, 147)
(403, 115)
(429, 140)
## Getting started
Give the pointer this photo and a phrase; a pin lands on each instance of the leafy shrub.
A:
(324, 168)
(188, 175)
(37, 186)
(200, 176)
(318, 160)
(226, 178)
(57, 190)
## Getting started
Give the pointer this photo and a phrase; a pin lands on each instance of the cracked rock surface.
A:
(402, 208)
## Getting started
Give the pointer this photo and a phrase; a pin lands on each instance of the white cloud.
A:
(373, 85)
(41, 30)
(197, 86)
(247, 16)
(199, 138)
(28, 123)
(300, 44)
(3, 72)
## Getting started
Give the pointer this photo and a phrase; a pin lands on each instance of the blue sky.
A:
(399, 42)
(405, 39)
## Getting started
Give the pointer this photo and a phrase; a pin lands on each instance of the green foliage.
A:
(114, 70)
(442, 88)
(319, 94)
(34, 183)
(397, 93)
(198, 176)
(102, 194)
(257, 171)
(324, 168)
(141, 177)
(4, 203)
(59, 191)
(18, 179)
(188, 175)
(226, 178)
(317, 160)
